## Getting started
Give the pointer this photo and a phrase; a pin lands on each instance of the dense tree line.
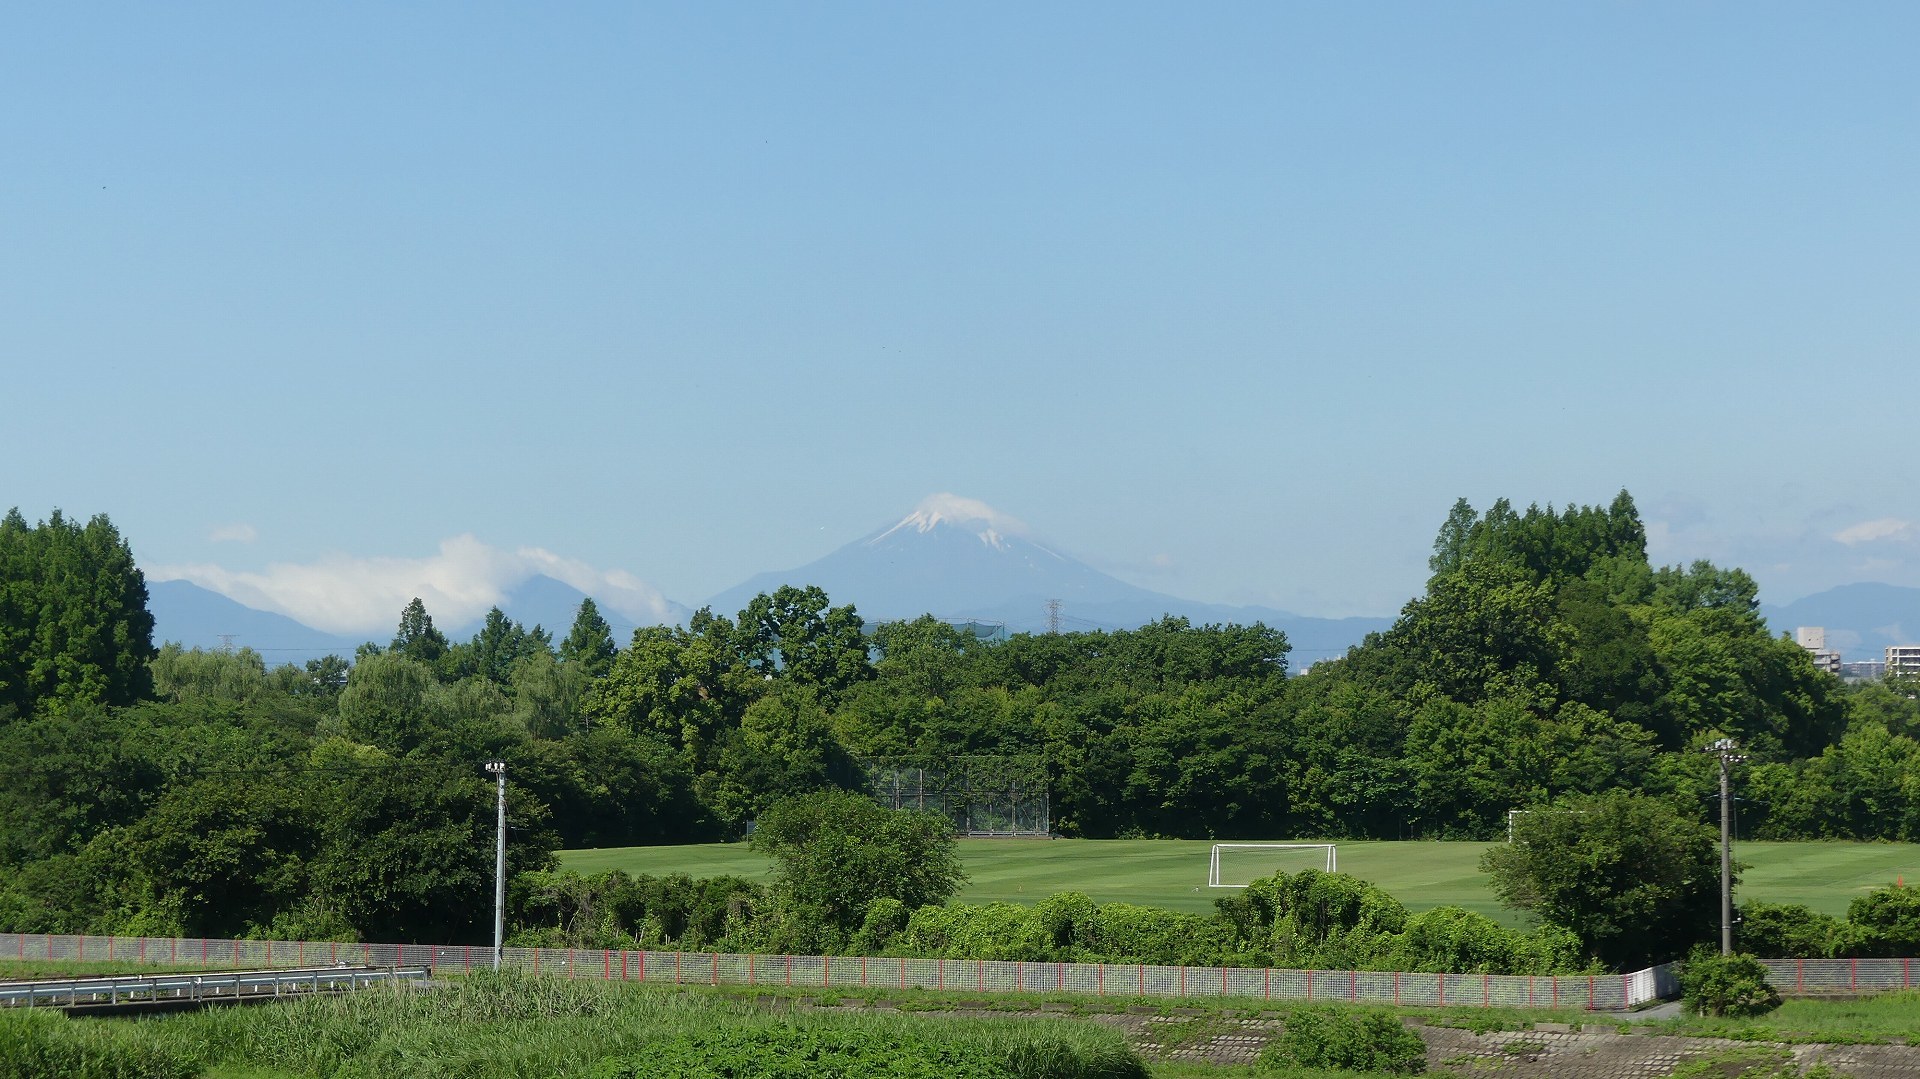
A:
(187, 790)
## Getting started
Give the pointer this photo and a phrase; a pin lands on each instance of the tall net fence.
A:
(982, 796)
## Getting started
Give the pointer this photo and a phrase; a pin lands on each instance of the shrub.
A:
(1005, 931)
(1456, 940)
(1786, 931)
(1068, 923)
(1727, 985)
(1367, 1040)
(886, 919)
(835, 852)
(1884, 922)
(1135, 934)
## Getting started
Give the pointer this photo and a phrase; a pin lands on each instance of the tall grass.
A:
(1876, 1018)
(518, 1027)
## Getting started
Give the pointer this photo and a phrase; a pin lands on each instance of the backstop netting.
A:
(982, 796)
(1236, 865)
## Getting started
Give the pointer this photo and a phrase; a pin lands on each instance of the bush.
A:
(1727, 985)
(1786, 931)
(886, 919)
(1367, 1041)
(835, 852)
(1884, 922)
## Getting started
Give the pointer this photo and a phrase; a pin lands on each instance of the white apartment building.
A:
(1903, 661)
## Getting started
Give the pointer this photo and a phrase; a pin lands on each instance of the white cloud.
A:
(1882, 528)
(239, 532)
(345, 594)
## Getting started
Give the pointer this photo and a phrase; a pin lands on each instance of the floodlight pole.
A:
(1725, 750)
(498, 769)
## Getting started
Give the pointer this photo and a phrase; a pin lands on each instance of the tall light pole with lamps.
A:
(498, 769)
(1728, 752)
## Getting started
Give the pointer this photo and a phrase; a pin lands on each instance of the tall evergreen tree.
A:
(74, 625)
(416, 638)
(590, 643)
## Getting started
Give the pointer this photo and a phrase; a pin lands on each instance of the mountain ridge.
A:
(959, 559)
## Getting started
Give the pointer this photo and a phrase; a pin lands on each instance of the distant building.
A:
(1866, 670)
(1903, 661)
(1814, 640)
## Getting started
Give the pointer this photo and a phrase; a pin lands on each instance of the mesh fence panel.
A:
(1603, 992)
(982, 796)
(1797, 977)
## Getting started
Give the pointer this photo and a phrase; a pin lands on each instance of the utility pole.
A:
(1728, 753)
(498, 769)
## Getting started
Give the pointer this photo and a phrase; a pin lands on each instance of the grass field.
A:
(1173, 873)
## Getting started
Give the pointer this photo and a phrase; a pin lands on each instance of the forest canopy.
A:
(177, 790)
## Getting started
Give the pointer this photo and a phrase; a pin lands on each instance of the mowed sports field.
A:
(1173, 873)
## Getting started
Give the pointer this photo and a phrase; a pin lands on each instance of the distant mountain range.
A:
(1861, 620)
(196, 617)
(961, 560)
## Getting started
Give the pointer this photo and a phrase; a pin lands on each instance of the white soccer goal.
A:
(1250, 867)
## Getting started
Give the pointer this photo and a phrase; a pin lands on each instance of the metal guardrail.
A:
(198, 986)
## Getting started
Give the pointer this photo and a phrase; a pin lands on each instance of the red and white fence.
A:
(1817, 977)
(1596, 992)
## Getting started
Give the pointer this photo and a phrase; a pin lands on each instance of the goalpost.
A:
(1213, 865)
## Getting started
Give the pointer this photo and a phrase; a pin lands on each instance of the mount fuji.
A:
(962, 560)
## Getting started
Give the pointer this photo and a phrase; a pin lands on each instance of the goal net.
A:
(1236, 865)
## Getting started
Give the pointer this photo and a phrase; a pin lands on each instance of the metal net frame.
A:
(982, 796)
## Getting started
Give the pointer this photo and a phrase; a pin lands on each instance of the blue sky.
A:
(1231, 300)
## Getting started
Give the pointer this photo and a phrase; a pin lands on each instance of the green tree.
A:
(387, 702)
(1450, 546)
(325, 677)
(74, 625)
(1633, 879)
(835, 852)
(225, 855)
(784, 746)
(230, 676)
(415, 638)
(794, 633)
(589, 644)
(407, 849)
(547, 695)
(499, 646)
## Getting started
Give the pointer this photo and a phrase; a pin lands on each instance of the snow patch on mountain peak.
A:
(989, 525)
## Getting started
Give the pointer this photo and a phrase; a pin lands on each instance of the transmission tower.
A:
(1053, 616)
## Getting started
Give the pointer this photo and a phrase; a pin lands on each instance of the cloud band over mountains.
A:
(344, 594)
